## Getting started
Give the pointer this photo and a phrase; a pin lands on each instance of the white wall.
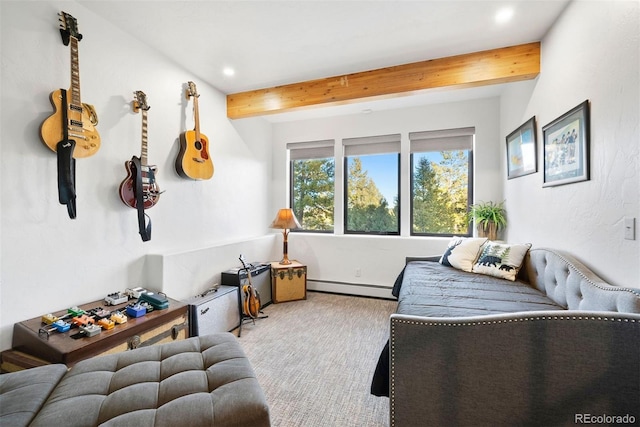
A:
(50, 262)
(592, 52)
(380, 258)
(189, 272)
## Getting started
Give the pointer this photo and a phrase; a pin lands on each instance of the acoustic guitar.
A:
(193, 160)
(150, 189)
(251, 303)
(71, 118)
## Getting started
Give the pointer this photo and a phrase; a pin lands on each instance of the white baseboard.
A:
(359, 289)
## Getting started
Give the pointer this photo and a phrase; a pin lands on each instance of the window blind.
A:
(371, 145)
(311, 149)
(442, 140)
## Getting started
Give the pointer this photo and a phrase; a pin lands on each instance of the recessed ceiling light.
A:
(504, 15)
(228, 71)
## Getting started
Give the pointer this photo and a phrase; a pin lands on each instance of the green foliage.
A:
(485, 212)
(440, 193)
(367, 209)
(362, 190)
(372, 218)
(313, 192)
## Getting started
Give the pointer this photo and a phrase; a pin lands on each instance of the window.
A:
(441, 181)
(372, 184)
(313, 184)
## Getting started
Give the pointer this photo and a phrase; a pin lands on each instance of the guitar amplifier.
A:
(214, 312)
(260, 279)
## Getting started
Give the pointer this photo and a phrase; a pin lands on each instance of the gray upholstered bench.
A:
(201, 381)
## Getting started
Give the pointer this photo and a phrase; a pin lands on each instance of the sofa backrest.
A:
(571, 284)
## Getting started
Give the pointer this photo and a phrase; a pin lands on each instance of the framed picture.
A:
(566, 147)
(522, 150)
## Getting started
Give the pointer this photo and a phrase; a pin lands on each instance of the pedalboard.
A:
(90, 323)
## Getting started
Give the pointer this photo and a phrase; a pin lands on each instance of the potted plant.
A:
(489, 218)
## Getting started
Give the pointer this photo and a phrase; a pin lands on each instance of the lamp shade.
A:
(285, 219)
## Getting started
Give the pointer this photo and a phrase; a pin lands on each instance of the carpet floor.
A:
(315, 359)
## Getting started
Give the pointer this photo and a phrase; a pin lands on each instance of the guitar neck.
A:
(247, 269)
(76, 103)
(143, 150)
(196, 116)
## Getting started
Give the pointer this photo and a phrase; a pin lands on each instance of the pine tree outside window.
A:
(441, 181)
(372, 185)
(312, 167)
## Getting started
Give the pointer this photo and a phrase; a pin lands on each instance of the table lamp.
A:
(285, 220)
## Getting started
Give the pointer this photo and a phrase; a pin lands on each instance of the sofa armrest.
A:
(528, 368)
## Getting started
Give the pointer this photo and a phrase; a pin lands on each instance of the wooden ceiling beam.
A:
(503, 65)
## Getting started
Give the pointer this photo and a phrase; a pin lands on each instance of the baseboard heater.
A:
(359, 289)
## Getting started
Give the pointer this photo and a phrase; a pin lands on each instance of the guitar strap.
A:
(143, 227)
(66, 165)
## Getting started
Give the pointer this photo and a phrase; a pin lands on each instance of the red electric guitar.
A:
(150, 189)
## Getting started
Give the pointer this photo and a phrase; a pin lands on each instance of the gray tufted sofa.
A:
(557, 347)
(201, 381)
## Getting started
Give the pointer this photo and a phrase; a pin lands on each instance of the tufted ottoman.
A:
(201, 381)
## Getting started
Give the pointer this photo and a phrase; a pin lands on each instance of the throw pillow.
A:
(462, 252)
(501, 259)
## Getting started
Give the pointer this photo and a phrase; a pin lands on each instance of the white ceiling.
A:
(270, 43)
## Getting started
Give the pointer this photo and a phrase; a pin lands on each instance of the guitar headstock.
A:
(68, 28)
(243, 261)
(191, 90)
(140, 103)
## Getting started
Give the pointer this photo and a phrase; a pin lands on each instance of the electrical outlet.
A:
(629, 228)
(358, 272)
